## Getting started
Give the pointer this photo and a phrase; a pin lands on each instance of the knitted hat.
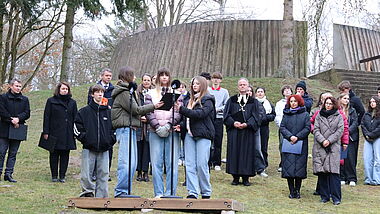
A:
(302, 85)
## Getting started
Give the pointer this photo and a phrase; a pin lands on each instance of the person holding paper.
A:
(14, 111)
(199, 114)
(242, 117)
(120, 115)
(328, 130)
(295, 128)
(59, 115)
(371, 152)
(160, 138)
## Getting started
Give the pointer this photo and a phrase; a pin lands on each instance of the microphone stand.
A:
(172, 153)
(131, 90)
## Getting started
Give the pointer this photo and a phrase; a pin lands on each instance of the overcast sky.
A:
(257, 9)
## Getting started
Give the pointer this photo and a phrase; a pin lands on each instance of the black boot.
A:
(246, 181)
(291, 188)
(235, 181)
(298, 183)
(145, 177)
(139, 176)
(8, 177)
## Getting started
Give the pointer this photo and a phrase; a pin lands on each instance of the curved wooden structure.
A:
(247, 48)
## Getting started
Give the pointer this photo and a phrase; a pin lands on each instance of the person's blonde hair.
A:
(344, 108)
(203, 90)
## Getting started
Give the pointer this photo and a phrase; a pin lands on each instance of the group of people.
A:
(192, 128)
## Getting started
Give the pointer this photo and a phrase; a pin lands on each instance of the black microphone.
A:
(132, 86)
(175, 84)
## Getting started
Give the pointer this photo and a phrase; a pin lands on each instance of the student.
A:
(301, 90)
(59, 115)
(199, 113)
(14, 110)
(371, 152)
(328, 130)
(221, 96)
(355, 102)
(93, 129)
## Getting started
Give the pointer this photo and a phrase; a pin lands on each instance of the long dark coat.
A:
(295, 124)
(241, 149)
(59, 116)
(12, 105)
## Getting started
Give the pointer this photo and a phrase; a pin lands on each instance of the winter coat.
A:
(370, 127)
(295, 124)
(120, 112)
(308, 102)
(327, 160)
(279, 110)
(93, 127)
(353, 124)
(345, 139)
(269, 117)
(107, 93)
(160, 117)
(12, 105)
(356, 103)
(59, 116)
(201, 118)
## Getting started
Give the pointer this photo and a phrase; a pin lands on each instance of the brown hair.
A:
(345, 84)
(162, 72)
(126, 74)
(334, 102)
(286, 87)
(96, 88)
(377, 109)
(345, 109)
(202, 91)
(216, 75)
(57, 89)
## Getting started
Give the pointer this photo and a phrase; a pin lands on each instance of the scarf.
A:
(266, 104)
(327, 113)
(294, 110)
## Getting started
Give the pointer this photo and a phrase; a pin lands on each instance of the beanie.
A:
(302, 85)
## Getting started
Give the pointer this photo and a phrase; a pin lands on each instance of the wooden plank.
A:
(159, 203)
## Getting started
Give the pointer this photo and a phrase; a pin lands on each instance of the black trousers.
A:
(216, 153)
(348, 170)
(59, 158)
(294, 184)
(143, 156)
(280, 139)
(10, 146)
(264, 135)
(329, 186)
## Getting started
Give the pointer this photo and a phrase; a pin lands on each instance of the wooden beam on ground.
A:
(157, 203)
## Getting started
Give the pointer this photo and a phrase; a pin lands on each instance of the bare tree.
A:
(287, 58)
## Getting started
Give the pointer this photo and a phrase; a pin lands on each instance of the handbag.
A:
(19, 133)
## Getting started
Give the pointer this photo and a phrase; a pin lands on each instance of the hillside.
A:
(35, 193)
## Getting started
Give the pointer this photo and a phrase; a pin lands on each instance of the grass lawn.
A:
(35, 193)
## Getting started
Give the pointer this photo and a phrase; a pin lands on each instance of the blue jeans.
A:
(371, 156)
(122, 136)
(160, 152)
(197, 170)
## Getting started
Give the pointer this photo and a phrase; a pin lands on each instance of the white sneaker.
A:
(352, 183)
(263, 174)
(158, 196)
(279, 169)
(180, 162)
(224, 160)
(217, 168)
(342, 182)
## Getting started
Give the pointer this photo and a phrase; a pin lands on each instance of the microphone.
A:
(175, 84)
(132, 86)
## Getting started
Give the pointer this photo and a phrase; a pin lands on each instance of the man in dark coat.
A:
(14, 111)
(355, 102)
(242, 117)
(301, 90)
(105, 81)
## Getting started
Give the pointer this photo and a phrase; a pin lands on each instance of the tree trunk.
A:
(2, 72)
(7, 44)
(287, 45)
(67, 41)
(14, 46)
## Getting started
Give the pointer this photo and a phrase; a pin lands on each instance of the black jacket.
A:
(201, 118)
(93, 127)
(356, 103)
(268, 117)
(308, 102)
(370, 127)
(295, 124)
(12, 105)
(353, 125)
(59, 115)
(107, 93)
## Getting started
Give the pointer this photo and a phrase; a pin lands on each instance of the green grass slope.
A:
(35, 193)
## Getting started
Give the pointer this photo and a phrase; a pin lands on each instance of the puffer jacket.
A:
(327, 160)
(120, 111)
(370, 127)
(160, 117)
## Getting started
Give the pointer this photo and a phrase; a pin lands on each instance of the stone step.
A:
(354, 74)
(361, 78)
(369, 82)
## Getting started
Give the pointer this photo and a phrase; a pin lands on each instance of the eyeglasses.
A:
(330, 104)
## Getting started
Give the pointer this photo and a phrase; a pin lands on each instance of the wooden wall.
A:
(235, 48)
(352, 44)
